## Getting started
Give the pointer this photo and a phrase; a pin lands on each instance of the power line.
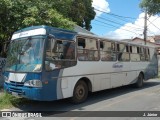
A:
(115, 22)
(114, 14)
(153, 20)
(102, 25)
(116, 27)
(122, 24)
(119, 23)
(112, 27)
(150, 31)
(119, 17)
(154, 25)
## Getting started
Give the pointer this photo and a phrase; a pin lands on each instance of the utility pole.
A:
(145, 27)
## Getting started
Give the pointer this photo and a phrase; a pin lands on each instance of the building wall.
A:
(140, 41)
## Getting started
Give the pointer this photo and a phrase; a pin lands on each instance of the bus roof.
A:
(56, 32)
(43, 26)
(70, 35)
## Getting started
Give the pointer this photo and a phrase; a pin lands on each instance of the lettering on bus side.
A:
(117, 66)
(23, 34)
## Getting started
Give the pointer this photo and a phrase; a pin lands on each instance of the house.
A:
(148, 42)
(141, 41)
(155, 39)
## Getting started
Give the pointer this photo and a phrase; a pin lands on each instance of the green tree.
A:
(82, 13)
(17, 14)
(152, 6)
(79, 11)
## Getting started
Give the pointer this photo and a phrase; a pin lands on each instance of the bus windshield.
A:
(25, 55)
(59, 54)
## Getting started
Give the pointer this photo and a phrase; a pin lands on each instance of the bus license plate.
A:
(14, 94)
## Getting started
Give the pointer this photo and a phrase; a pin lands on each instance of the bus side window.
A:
(123, 52)
(142, 54)
(80, 49)
(147, 54)
(87, 49)
(107, 51)
(59, 54)
(135, 54)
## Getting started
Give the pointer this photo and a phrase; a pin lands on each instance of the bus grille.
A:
(16, 84)
(16, 87)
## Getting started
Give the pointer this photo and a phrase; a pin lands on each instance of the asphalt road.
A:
(124, 99)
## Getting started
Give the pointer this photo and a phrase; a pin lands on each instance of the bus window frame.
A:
(115, 51)
(126, 44)
(147, 52)
(98, 47)
(140, 53)
(54, 39)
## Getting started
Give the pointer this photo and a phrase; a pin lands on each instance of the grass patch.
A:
(8, 101)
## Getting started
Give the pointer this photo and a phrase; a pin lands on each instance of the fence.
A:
(2, 64)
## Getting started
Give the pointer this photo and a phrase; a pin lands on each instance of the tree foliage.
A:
(152, 6)
(83, 13)
(79, 11)
(17, 14)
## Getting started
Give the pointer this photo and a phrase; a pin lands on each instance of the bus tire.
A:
(139, 82)
(80, 92)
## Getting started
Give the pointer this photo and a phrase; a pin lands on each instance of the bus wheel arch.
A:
(142, 74)
(88, 82)
(81, 89)
(140, 80)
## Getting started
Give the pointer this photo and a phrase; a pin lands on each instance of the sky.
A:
(122, 19)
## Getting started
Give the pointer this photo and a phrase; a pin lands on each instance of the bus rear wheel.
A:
(80, 92)
(139, 82)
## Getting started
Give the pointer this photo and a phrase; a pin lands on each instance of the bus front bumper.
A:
(26, 92)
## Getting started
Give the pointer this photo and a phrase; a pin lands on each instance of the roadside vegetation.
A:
(8, 101)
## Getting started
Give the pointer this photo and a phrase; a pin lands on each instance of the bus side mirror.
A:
(50, 36)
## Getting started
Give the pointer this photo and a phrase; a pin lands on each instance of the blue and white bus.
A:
(46, 63)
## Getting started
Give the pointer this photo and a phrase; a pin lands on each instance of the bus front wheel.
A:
(139, 82)
(80, 92)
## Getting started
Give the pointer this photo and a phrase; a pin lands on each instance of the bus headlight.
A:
(6, 79)
(33, 83)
